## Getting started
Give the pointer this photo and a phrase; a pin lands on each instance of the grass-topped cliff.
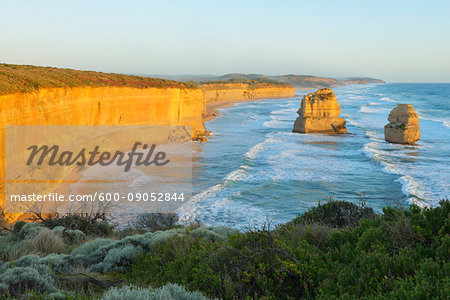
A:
(337, 250)
(252, 83)
(25, 79)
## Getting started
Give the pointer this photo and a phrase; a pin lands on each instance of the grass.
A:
(27, 79)
(46, 242)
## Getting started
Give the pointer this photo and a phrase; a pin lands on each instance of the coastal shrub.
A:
(117, 259)
(89, 224)
(18, 280)
(70, 235)
(17, 226)
(89, 247)
(10, 247)
(46, 242)
(11, 250)
(38, 278)
(314, 234)
(338, 214)
(156, 221)
(213, 233)
(167, 292)
(106, 255)
(30, 230)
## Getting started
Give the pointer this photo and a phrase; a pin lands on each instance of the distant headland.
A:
(298, 81)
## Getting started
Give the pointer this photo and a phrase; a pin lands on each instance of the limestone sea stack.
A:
(403, 127)
(319, 113)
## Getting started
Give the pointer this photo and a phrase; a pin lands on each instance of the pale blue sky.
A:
(399, 41)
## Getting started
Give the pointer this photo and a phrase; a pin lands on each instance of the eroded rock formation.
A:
(403, 127)
(319, 113)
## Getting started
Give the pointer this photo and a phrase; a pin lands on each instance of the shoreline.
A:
(212, 108)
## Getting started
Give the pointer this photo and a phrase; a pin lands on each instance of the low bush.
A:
(89, 247)
(70, 235)
(337, 214)
(29, 231)
(156, 221)
(167, 292)
(95, 224)
(24, 275)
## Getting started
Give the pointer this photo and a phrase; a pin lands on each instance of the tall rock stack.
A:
(403, 127)
(319, 113)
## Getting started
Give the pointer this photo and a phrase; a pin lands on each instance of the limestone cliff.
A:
(319, 113)
(244, 91)
(101, 106)
(403, 127)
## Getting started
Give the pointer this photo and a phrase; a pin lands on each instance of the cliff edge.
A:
(244, 89)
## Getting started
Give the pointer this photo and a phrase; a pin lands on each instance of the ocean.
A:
(254, 170)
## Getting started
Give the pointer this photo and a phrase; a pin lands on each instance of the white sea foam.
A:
(215, 197)
(442, 121)
(418, 191)
(387, 99)
(351, 121)
(253, 152)
(376, 136)
(368, 110)
(238, 175)
(355, 97)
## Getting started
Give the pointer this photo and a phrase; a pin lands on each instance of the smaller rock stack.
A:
(319, 113)
(403, 127)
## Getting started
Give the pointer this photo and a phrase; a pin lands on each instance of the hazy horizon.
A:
(403, 41)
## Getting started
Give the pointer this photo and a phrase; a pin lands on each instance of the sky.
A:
(395, 40)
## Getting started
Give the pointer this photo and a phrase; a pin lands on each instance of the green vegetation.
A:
(26, 79)
(337, 250)
(253, 83)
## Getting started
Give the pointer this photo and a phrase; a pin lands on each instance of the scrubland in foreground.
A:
(337, 250)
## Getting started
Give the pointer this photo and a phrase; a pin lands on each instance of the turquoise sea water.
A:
(254, 169)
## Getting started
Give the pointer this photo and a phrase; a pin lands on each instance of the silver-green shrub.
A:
(89, 247)
(30, 230)
(69, 234)
(106, 255)
(18, 280)
(167, 292)
(213, 233)
(117, 259)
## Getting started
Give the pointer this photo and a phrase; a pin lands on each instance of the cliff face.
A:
(403, 127)
(101, 106)
(319, 113)
(243, 91)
